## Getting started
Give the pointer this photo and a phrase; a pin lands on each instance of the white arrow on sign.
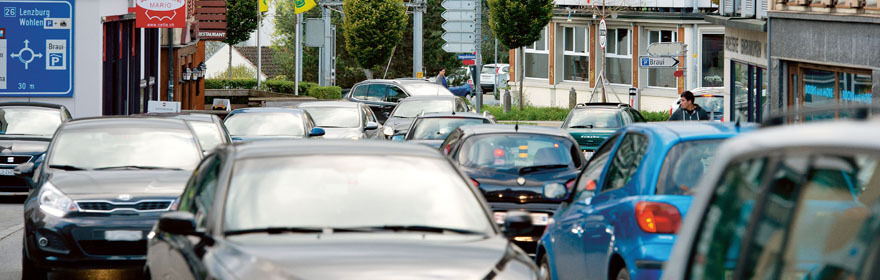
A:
(459, 26)
(458, 4)
(459, 47)
(459, 37)
(657, 62)
(459, 15)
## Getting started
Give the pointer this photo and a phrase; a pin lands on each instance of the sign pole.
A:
(298, 55)
(171, 64)
(478, 47)
(259, 48)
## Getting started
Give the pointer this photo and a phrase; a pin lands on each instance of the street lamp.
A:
(202, 69)
(187, 73)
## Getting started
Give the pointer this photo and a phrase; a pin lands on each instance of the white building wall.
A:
(267, 30)
(88, 47)
(217, 63)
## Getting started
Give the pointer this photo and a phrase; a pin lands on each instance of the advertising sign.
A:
(160, 13)
(36, 48)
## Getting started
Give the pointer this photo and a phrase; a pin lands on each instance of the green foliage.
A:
(230, 84)
(238, 72)
(285, 42)
(518, 23)
(529, 113)
(241, 20)
(372, 28)
(331, 92)
(659, 116)
(279, 86)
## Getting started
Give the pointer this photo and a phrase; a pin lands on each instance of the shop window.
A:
(662, 77)
(618, 57)
(537, 61)
(749, 98)
(713, 60)
(576, 55)
(816, 86)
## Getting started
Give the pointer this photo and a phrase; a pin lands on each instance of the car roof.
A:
(689, 130)
(343, 104)
(267, 110)
(274, 148)
(202, 117)
(454, 115)
(126, 121)
(843, 134)
(32, 104)
(603, 105)
(512, 128)
(708, 91)
(429, 97)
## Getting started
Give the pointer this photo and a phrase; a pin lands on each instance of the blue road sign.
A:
(36, 48)
(466, 56)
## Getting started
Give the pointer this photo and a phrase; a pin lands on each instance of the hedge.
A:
(659, 116)
(529, 113)
(330, 92)
(280, 86)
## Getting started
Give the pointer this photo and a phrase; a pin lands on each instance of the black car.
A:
(320, 210)
(383, 95)
(411, 107)
(432, 128)
(511, 164)
(101, 188)
(25, 131)
(209, 128)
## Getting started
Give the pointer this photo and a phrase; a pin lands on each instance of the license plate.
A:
(587, 154)
(538, 219)
(6, 172)
(123, 235)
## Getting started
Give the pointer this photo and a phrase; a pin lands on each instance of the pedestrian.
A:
(688, 110)
(441, 77)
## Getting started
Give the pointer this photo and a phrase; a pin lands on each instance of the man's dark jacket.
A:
(698, 114)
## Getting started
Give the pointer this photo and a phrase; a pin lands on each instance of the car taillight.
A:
(657, 217)
(499, 152)
(569, 184)
(476, 184)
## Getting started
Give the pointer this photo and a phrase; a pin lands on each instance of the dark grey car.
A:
(410, 108)
(26, 128)
(383, 95)
(432, 128)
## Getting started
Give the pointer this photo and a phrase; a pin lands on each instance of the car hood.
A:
(104, 184)
(341, 132)
(25, 145)
(399, 124)
(360, 256)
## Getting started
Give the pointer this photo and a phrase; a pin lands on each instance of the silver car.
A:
(344, 119)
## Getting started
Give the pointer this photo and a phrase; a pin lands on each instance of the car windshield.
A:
(513, 152)
(334, 116)
(488, 70)
(593, 118)
(710, 103)
(412, 108)
(684, 164)
(265, 124)
(112, 147)
(29, 120)
(439, 128)
(349, 191)
(208, 133)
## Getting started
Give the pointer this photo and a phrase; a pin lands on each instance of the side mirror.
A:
(317, 131)
(177, 222)
(371, 126)
(555, 191)
(23, 168)
(388, 131)
(517, 223)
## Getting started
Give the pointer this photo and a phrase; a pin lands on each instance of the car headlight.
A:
(54, 202)
(388, 131)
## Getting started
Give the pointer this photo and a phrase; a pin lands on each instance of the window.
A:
(662, 77)
(590, 176)
(576, 55)
(199, 195)
(618, 57)
(376, 92)
(713, 60)
(684, 164)
(370, 116)
(749, 96)
(817, 86)
(626, 161)
(395, 94)
(360, 92)
(537, 63)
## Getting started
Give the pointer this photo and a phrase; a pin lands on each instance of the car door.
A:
(569, 258)
(607, 211)
(177, 256)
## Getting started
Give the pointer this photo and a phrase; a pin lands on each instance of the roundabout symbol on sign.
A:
(21, 57)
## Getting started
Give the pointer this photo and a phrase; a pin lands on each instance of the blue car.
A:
(620, 220)
(267, 123)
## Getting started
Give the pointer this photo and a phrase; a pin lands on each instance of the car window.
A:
(412, 108)
(635, 115)
(627, 118)
(719, 239)
(516, 152)
(395, 94)
(370, 116)
(29, 120)
(593, 118)
(199, 195)
(586, 186)
(265, 124)
(626, 161)
(360, 92)
(376, 92)
(685, 163)
(334, 116)
(439, 128)
(208, 134)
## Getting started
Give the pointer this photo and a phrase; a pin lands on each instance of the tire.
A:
(544, 268)
(30, 271)
(623, 274)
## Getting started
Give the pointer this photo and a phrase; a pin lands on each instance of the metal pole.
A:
(326, 55)
(417, 39)
(298, 55)
(497, 69)
(259, 49)
(170, 64)
(479, 47)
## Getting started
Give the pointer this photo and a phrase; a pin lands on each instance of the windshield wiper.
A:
(530, 169)
(66, 167)
(278, 230)
(581, 126)
(137, 167)
(416, 228)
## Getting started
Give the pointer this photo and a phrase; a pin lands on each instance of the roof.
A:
(343, 104)
(268, 63)
(125, 121)
(272, 148)
(455, 114)
(32, 104)
(692, 129)
(844, 134)
(266, 110)
(509, 128)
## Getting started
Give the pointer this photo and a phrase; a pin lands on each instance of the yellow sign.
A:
(303, 6)
(420, 74)
(264, 5)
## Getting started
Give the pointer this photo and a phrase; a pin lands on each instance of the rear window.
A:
(515, 152)
(684, 164)
(593, 118)
(710, 103)
(439, 128)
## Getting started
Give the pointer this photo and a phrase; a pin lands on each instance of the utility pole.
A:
(417, 38)
(479, 47)
(171, 64)
(298, 59)
(326, 56)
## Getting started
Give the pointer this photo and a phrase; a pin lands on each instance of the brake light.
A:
(570, 184)
(476, 184)
(446, 149)
(657, 217)
(499, 152)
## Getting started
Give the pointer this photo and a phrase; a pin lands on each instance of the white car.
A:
(494, 74)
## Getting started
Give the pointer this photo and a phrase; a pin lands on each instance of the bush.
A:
(529, 113)
(230, 84)
(659, 116)
(279, 86)
(330, 92)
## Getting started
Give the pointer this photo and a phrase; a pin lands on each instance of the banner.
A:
(303, 6)
(160, 13)
(264, 5)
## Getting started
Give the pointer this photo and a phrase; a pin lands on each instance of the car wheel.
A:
(623, 274)
(29, 270)
(544, 269)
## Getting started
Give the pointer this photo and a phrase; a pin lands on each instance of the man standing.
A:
(687, 110)
(441, 77)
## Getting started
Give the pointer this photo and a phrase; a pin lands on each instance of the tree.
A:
(238, 72)
(518, 23)
(241, 20)
(372, 29)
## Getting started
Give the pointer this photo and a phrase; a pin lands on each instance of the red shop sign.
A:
(160, 13)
